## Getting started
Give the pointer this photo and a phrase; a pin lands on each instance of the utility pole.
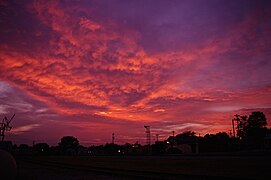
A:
(173, 133)
(230, 133)
(113, 138)
(157, 136)
(237, 119)
(148, 135)
(233, 130)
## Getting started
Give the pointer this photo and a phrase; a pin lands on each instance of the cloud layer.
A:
(91, 67)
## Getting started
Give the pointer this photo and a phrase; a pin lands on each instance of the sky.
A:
(90, 68)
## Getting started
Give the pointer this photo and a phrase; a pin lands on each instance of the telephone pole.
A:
(113, 138)
(148, 135)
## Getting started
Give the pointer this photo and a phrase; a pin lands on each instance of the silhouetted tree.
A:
(112, 149)
(69, 145)
(23, 146)
(241, 124)
(186, 137)
(15, 146)
(41, 147)
(97, 150)
(219, 142)
(55, 150)
(158, 148)
(127, 147)
(256, 120)
(69, 142)
(252, 129)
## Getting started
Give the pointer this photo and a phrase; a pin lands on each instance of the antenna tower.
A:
(4, 126)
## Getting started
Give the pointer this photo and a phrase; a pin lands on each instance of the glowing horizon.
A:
(93, 68)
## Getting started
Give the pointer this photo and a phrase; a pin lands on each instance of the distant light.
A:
(119, 151)
(42, 150)
(89, 152)
(167, 142)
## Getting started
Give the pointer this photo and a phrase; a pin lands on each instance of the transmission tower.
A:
(5, 126)
(148, 135)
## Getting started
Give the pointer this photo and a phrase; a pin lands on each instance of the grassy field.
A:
(165, 167)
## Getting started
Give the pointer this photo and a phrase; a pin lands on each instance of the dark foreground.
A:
(144, 167)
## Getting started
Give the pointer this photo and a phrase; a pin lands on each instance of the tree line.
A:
(251, 133)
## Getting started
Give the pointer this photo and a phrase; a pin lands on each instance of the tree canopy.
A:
(252, 129)
(69, 142)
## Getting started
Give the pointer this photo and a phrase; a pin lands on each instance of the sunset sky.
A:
(93, 68)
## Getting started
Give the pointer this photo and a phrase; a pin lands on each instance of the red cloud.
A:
(96, 66)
